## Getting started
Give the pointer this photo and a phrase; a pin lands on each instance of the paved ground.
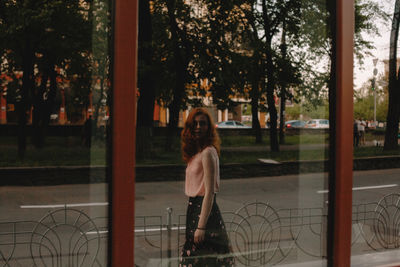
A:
(153, 199)
(292, 147)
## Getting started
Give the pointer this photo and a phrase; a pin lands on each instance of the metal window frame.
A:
(123, 133)
(124, 125)
(341, 144)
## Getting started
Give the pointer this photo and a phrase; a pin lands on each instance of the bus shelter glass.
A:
(54, 118)
(376, 198)
(261, 69)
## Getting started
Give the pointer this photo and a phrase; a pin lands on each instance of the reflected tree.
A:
(40, 35)
(182, 31)
(255, 49)
(392, 127)
(317, 32)
(265, 20)
(101, 53)
(146, 84)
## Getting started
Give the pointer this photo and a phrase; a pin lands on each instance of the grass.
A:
(58, 151)
(360, 152)
(68, 151)
(252, 157)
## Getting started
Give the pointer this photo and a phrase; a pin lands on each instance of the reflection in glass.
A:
(263, 71)
(376, 199)
(54, 120)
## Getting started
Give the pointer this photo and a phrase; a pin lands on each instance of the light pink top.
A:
(194, 181)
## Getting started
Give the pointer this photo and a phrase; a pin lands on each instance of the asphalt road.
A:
(20, 203)
(153, 198)
(293, 191)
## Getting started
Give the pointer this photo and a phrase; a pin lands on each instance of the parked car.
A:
(230, 124)
(295, 124)
(317, 124)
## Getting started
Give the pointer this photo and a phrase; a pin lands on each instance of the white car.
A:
(230, 125)
(317, 124)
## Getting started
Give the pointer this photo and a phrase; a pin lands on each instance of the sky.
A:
(381, 51)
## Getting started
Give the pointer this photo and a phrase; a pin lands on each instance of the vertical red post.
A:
(344, 133)
(124, 125)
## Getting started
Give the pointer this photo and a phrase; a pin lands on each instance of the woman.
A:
(207, 242)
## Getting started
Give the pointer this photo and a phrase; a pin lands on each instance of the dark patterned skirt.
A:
(215, 250)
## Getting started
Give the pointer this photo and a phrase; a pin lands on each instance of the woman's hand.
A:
(199, 235)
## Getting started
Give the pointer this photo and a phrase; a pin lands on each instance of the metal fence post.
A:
(169, 235)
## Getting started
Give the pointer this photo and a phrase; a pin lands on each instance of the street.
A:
(291, 191)
(86, 206)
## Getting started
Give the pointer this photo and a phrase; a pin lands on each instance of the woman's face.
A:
(200, 123)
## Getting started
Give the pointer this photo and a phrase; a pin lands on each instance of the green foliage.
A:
(293, 112)
(364, 107)
(316, 37)
(367, 14)
(171, 46)
(74, 35)
(228, 40)
(308, 110)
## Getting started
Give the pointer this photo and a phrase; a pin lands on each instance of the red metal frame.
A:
(124, 125)
(344, 133)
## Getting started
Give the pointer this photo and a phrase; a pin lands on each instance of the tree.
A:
(179, 18)
(146, 85)
(223, 55)
(288, 77)
(100, 55)
(266, 19)
(42, 38)
(392, 126)
(364, 100)
(19, 20)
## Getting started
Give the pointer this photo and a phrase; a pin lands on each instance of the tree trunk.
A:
(175, 106)
(145, 83)
(392, 126)
(43, 106)
(271, 84)
(51, 98)
(254, 111)
(283, 91)
(282, 116)
(98, 107)
(38, 104)
(23, 106)
(273, 119)
(180, 72)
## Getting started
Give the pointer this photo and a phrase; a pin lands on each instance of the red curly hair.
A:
(189, 144)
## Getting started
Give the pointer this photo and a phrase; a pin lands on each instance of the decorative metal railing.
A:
(260, 236)
(62, 237)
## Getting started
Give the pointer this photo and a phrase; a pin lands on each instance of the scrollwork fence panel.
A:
(260, 235)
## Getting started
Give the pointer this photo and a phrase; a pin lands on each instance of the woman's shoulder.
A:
(210, 150)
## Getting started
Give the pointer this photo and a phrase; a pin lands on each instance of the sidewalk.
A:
(281, 147)
(55, 175)
(291, 147)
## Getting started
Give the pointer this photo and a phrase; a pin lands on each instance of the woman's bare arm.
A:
(209, 181)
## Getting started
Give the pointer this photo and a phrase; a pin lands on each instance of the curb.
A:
(39, 176)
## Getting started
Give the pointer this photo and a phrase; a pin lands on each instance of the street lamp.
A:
(375, 60)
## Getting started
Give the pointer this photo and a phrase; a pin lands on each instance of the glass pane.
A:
(231, 61)
(376, 199)
(54, 120)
